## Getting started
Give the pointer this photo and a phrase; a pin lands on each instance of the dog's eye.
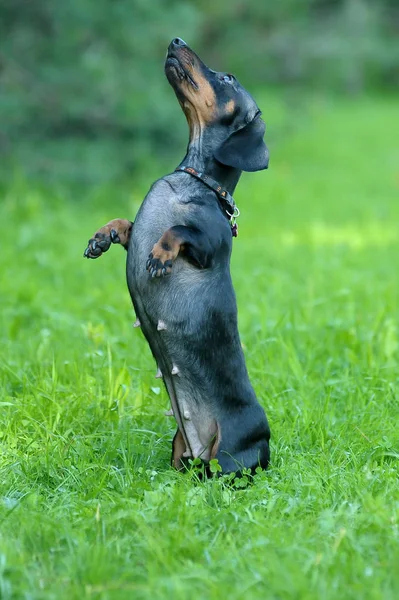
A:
(227, 78)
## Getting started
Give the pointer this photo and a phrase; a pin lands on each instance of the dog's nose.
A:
(178, 42)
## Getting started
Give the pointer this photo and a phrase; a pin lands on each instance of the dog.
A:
(178, 270)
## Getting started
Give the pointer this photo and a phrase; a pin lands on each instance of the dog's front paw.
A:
(100, 243)
(159, 266)
(163, 254)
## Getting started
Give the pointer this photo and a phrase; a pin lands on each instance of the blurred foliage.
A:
(82, 71)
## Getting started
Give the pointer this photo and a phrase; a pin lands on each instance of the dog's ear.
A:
(245, 149)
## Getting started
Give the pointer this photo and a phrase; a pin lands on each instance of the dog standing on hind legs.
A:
(178, 269)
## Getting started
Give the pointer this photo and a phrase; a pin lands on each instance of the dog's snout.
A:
(178, 42)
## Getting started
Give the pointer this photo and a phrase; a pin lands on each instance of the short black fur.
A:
(178, 272)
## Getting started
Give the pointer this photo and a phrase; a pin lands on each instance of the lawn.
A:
(89, 507)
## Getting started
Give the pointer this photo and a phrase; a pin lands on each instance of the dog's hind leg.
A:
(178, 450)
(116, 231)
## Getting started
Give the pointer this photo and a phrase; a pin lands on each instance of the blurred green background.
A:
(89, 507)
(83, 95)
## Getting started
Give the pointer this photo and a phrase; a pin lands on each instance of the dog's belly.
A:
(173, 312)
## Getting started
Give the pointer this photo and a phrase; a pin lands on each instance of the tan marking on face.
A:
(200, 104)
(229, 107)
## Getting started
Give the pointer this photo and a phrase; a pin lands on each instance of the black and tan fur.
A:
(178, 271)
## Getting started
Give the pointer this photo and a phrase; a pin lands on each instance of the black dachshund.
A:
(178, 269)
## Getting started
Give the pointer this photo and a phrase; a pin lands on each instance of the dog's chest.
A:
(159, 211)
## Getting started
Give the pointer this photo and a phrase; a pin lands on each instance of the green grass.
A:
(89, 507)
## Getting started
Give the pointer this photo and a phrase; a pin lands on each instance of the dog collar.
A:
(230, 207)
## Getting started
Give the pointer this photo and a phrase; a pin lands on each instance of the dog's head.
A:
(220, 112)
